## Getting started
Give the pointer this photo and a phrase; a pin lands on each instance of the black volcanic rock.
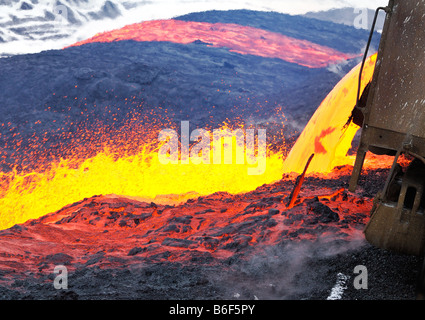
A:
(25, 6)
(338, 36)
(58, 258)
(322, 211)
(135, 251)
(58, 91)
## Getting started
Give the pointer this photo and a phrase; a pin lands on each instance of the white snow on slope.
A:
(29, 26)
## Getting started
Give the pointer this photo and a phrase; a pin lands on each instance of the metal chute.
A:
(393, 123)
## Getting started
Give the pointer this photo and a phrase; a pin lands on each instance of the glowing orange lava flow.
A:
(237, 38)
(326, 135)
(137, 174)
(140, 174)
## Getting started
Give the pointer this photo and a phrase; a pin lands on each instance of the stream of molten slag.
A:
(237, 38)
(137, 174)
(140, 174)
(327, 134)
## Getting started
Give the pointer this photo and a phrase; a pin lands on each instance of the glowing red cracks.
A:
(237, 38)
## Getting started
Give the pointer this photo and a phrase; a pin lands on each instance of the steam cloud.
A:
(289, 270)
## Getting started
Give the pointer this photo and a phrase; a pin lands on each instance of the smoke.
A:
(293, 270)
(341, 68)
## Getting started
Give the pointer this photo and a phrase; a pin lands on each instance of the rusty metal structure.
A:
(391, 112)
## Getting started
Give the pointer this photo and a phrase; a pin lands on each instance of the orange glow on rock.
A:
(237, 38)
